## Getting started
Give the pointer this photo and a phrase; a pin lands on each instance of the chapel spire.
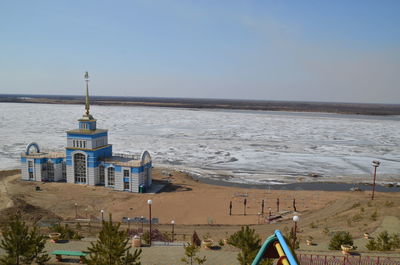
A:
(87, 104)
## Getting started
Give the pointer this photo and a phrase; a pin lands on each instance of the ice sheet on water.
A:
(263, 146)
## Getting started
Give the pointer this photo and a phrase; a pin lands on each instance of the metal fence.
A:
(308, 259)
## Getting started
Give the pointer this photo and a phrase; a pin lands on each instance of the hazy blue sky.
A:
(275, 50)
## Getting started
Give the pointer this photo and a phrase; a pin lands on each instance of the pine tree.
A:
(290, 237)
(340, 238)
(191, 255)
(21, 245)
(249, 243)
(112, 247)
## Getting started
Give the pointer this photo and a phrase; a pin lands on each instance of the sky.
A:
(338, 51)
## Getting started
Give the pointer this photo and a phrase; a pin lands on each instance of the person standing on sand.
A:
(294, 205)
(277, 205)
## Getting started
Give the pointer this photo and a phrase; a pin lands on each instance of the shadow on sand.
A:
(172, 187)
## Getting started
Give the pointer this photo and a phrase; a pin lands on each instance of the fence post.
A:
(311, 260)
(377, 261)
(325, 260)
(359, 260)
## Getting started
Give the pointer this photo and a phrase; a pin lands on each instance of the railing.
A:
(134, 157)
(309, 259)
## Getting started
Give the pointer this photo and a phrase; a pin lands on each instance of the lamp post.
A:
(244, 206)
(173, 228)
(295, 221)
(142, 220)
(375, 164)
(129, 224)
(149, 202)
(102, 215)
(262, 207)
(76, 211)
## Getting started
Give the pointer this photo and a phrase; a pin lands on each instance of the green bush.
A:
(66, 232)
(374, 216)
(371, 245)
(389, 204)
(290, 237)
(357, 218)
(395, 241)
(146, 237)
(384, 242)
(249, 243)
(340, 238)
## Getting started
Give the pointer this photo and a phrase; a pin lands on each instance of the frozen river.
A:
(239, 146)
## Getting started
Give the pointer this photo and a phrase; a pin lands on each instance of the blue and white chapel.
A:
(88, 159)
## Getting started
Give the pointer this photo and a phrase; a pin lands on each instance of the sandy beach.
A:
(184, 200)
(194, 205)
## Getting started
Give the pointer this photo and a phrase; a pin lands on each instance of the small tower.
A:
(85, 146)
(87, 122)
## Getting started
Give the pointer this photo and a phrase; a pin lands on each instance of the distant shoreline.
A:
(262, 105)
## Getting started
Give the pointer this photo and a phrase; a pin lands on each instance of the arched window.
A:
(101, 174)
(111, 176)
(80, 168)
(64, 170)
(50, 171)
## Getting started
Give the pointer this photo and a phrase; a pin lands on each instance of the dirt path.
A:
(5, 199)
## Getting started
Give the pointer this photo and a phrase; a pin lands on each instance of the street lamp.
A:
(149, 202)
(76, 211)
(142, 220)
(173, 226)
(375, 164)
(129, 224)
(102, 215)
(295, 221)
